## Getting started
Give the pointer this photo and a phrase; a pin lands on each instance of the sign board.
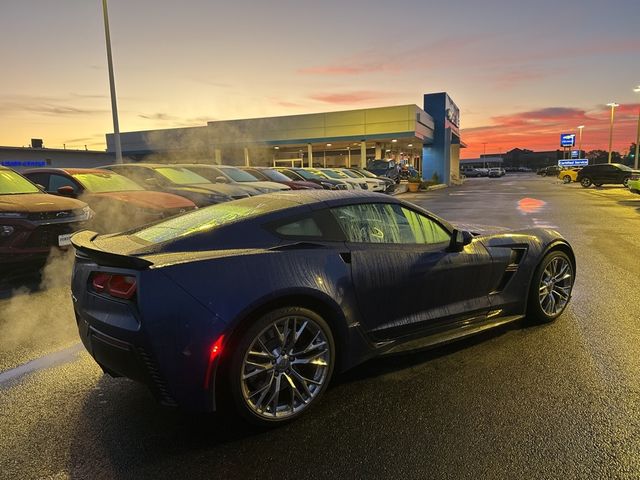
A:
(568, 140)
(575, 153)
(452, 112)
(579, 162)
(17, 163)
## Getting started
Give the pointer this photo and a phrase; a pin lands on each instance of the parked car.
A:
(178, 180)
(297, 173)
(235, 176)
(385, 168)
(33, 222)
(119, 203)
(551, 171)
(568, 175)
(475, 172)
(271, 175)
(323, 269)
(337, 175)
(390, 185)
(496, 172)
(634, 183)
(605, 173)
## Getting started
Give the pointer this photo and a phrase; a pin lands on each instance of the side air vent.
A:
(517, 254)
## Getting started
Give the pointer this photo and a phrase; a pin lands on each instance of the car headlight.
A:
(6, 230)
(12, 215)
(84, 214)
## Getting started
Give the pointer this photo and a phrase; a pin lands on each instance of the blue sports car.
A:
(255, 303)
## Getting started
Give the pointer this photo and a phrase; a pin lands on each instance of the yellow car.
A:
(568, 175)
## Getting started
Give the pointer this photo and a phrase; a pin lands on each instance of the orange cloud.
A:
(351, 97)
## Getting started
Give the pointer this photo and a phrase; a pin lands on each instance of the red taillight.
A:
(216, 350)
(119, 286)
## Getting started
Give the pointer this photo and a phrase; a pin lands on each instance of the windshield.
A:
(349, 173)
(623, 167)
(366, 173)
(239, 175)
(209, 218)
(275, 175)
(12, 183)
(181, 176)
(307, 175)
(380, 165)
(106, 182)
(332, 174)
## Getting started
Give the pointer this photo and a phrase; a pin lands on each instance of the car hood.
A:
(208, 188)
(147, 199)
(37, 202)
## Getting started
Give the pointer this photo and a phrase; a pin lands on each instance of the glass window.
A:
(306, 227)
(57, 181)
(388, 223)
(274, 175)
(106, 182)
(12, 183)
(238, 175)
(181, 176)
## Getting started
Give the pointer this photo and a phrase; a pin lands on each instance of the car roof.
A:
(69, 171)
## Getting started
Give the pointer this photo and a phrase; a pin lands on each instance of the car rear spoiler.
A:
(83, 243)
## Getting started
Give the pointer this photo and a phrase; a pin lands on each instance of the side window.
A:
(41, 179)
(57, 181)
(387, 223)
(305, 227)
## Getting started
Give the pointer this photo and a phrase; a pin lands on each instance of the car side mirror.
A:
(221, 179)
(66, 191)
(459, 239)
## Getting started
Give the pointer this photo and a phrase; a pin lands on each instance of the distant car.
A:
(473, 172)
(235, 176)
(568, 175)
(358, 183)
(178, 180)
(634, 183)
(551, 171)
(254, 304)
(496, 172)
(373, 184)
(33, 222)
(605, 173)
(389, 184)
(119, 203)
(272, 175)
(298, 173)
(385, 168)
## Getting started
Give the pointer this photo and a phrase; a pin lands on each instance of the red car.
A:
(33, 222)
(271, 175)
(119, 203)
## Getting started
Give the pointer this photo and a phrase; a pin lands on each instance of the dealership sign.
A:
(568, 140)
(579, 162)
(17, 163)
(575, 153)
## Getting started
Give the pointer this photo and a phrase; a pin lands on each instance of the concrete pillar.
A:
(217, 156)
(246, 157)
(310, 155)
(379, 155)
(348, 157)
(363, 154)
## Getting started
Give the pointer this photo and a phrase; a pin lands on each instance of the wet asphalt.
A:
(554, 401)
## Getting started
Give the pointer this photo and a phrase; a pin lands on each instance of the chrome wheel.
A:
(555, 286)
(285, 367)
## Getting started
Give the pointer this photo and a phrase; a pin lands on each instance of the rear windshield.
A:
(106, 182)
(181, 176)
(209, 218)
(379, 165)
(13, 183)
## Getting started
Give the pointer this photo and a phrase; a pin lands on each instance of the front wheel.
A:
(586, 182)
(551, 287)
(281, 365)
(566, 179)
(625, 182)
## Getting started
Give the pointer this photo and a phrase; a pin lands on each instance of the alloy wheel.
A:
(285, 367)
(555, 286)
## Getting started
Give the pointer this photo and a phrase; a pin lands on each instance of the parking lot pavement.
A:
(554, 401)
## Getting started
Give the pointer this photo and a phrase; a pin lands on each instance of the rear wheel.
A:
(551, 287)
(586, 182)
(566, 179)
(281, 365)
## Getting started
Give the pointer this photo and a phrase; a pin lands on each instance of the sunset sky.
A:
(521, 72)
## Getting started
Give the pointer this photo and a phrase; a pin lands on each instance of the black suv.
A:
(551, 171)
(601, 173)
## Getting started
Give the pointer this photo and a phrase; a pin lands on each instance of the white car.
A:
(374, 184)
(229, 174)
(338, 175)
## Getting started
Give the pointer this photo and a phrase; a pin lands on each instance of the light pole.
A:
(112, 85)
(635, 158)
(580, 127)
(613, 106)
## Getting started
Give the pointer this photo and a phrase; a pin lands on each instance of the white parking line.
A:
(47, 361)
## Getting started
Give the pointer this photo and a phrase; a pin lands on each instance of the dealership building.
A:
(427, 138)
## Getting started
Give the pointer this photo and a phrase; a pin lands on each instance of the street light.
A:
(613, 106)
(580, 127)
(635, 159)
(112, 85)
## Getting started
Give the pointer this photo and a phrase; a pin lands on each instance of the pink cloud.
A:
(351, 97)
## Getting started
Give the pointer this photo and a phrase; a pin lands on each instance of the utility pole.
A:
(112, 85)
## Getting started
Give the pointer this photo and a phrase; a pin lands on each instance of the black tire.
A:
(625, 182)
(598, 185)
(535, 311)
(586, 182)
(566, 179)
(236, 365)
